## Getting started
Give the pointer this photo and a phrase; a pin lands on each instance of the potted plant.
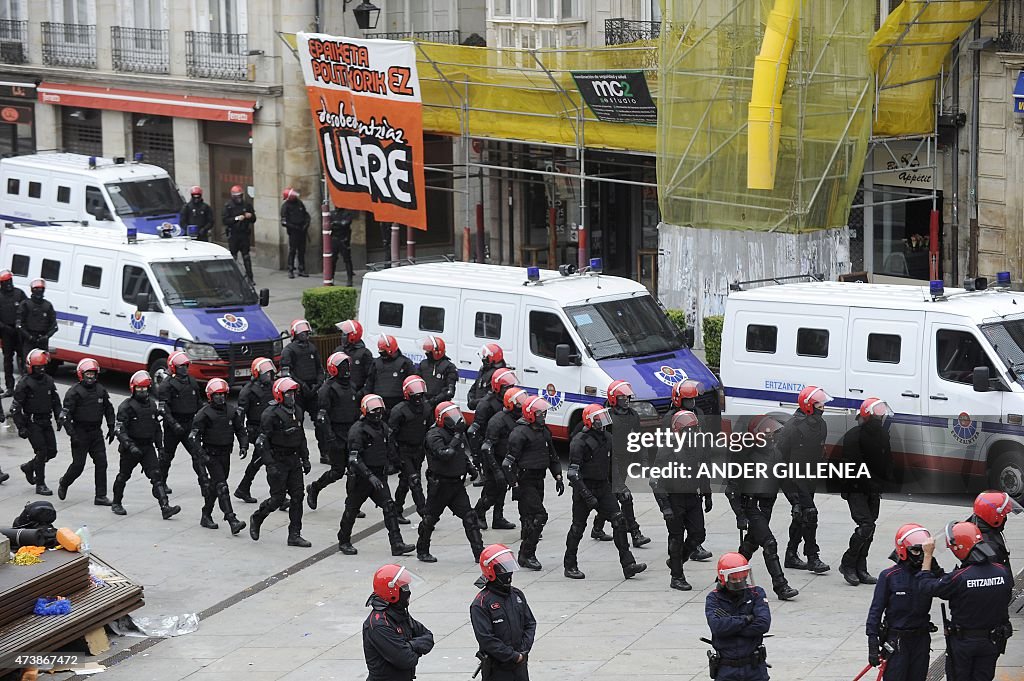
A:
(325, 306)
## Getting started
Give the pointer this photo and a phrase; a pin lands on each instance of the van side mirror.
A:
(982, 379)
(264, 297)
(563, 356)
(688, 338)
(142, 302)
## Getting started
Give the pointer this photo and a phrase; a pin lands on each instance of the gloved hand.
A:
(749, 618)
(798, 512)
(306, 466)
(472, 470)
(667, 513)
(136, 452)
(559, 485)
(23, 433)
(110, 435)
(874, 659)
(590, 500)
(707, 503)
(420, 646)
(61, 420)
(242, 453)
(742, 523)
(376, 483)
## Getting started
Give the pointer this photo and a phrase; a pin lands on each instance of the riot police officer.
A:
(979, 595)
(408, 423)
(530, 453)
(341, 241)
(239, 218)
(36, 405)
(754, 501)
(393, 642)
(339, 409)
(196, 218)
(492, 358)
(802, 441)
(388, 371)
(353, 346)
(137, 428)
(899, 619)
(448, 464)
(256, 395)
(178, 399)
(295, 220)
(213, 429)
(502, 621)
(371, 457)
(86, 406)
(37, 320)
(438, 371)
(590, 476)
(991, 509)
(282, 444)
(492, 453)
(486, 408)
(684, 396)
(11, 298)
(625, 420)
(738, 616)
(300, 361)
(866, 443)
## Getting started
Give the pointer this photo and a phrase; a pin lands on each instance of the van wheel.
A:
(1007, 474)
(159, 364)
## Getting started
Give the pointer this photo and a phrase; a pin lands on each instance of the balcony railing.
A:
(217, 55)
(622, 31)
(13, 41)
(139, 50)
(446, 37)
(69, 45)
(1011, 26)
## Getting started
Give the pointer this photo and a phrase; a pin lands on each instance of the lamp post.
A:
(366, 14)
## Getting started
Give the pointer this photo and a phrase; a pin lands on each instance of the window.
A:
(133, 283)
(487, 325)
(546, 332)
(19, 265)
(13, 185)
(390, 314)
(50, 270)
(502, 8)
(222, 16)
(884, 347)
(63, 194)
(432, 319)
(545, 9)
(96, 205)
(546, 39)
(92, 276)
(570, 9)
(627, 327)
(35, 190)
(13, 10)
(812, 342)
(145, 14)
(73, 11)
(209, 283)
(527, 40)
(956, 355)
(506, 37)
(762, 338)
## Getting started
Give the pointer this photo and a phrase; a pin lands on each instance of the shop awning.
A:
(157, 104)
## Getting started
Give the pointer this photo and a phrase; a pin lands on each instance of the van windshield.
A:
(628, 327)
(1007, 338)
(139, 198)
(203, 283)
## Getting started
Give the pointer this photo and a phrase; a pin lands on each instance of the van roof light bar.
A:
(810, 276)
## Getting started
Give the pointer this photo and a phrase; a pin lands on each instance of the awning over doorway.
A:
(159, 104)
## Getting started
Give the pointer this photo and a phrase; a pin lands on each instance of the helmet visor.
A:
(416, 386)
(405, 577)
(1009, 506)
(451, 415)
(950, 540)
(738, 578)
(503, 562)
(601, 418)
(819, 398)
(914, 537)
(373, 403)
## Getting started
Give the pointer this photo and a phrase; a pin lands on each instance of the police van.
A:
(567, 336)
(949, 362)
(50, 188)
(129, 303)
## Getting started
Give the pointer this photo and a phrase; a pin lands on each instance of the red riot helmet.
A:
(433, 347)
(491, 354)
(412, 386)
(596, 417)
(812, 398)
(390, 580)
(299, 326)
(261, 365)
(535, 410)
(352, 329)
(734, 572)
(993, 508)
(871, 408)
(339, 364)
(514, 399)
(447, 414)
(216, 386)
(619, 393)
(961, 538)
(502, 379)
(236, 190)
(908, 536)
(387, 345)
(685, 390)
(86, 365)
(140, 380)
(283, 386)
(196, 190)
(684, 420)
(497, 559)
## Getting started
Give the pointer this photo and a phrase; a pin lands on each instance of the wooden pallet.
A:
(61, 573)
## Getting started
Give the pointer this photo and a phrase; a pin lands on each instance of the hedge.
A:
(677, 317)
(713, 340)
(325, 306)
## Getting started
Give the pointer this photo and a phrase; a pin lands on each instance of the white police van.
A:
(53, 188)
(566, 336)
(950, 364)
(130, 304)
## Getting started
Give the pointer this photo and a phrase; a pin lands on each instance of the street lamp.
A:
(366, 14)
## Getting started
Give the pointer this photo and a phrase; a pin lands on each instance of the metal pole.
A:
(584, 243)
(410, 243)
(954, 246)
(325, 226)
(972, 255)
(396, 242)
(480, 216)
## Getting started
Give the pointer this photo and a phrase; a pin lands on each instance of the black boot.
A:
(700, 554)
(101, 501)
(116, 506)
(235, 524)
(481, 518)
(243, 494)
(785, 592)
(206, 520)
(4, 477)
(296, 539)
(118, 509)
(168, 511)
(573, 573)
(793, 561)
(43, 491)
(348, 520)
(529, 562)
(29, 469)
(680, 584)
(402, 520)
(62, 490)
(863, 575)
(599, 534)
(639, 539)
(312, 492)
(815, 565)
(633, 569)
(848, 570)
(782, 588)
(255, 522)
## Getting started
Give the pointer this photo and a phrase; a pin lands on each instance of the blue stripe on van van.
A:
(87, 331)
(577, 398)
(25, 221)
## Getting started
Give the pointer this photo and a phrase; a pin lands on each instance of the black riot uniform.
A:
(138, 431)
(393, 642)
(979, 595)
(300, 361)
(494, 483)
(371, 456)
(11, 298)
(361, 358)
(492, 453)
(86, 407)
(36, 405)
(530, 453)
(341, 241)
(505, 628)
(339, 409)
(448, 464)
(900, 616)
(866, 443)
(295, 220)
(624, 421)
(386, 376)
(240, 229)
(179, 399)
(994, 538)
(441, 377)
(254, 398)
(408, 422)
(482, 385)
(213, 430)
(801, 441)
(196, 218)
(738, 621)
(590, 475)
(37, 323)
(282, 444)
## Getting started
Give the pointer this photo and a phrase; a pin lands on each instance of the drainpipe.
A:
(954, 246)
(972, 255)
